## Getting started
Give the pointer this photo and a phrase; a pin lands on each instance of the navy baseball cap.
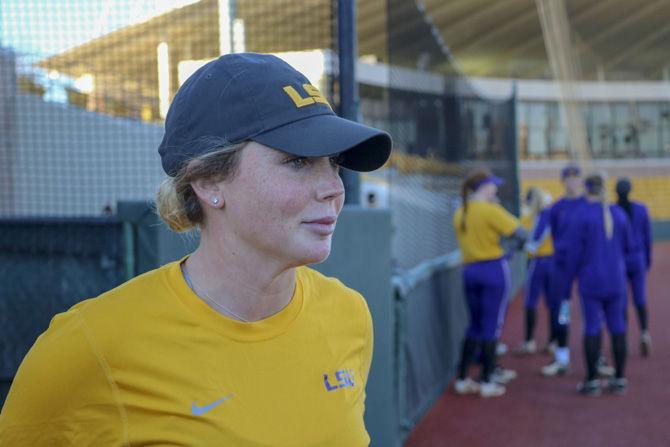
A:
(489, 179)
(259, 97)
(570, 170)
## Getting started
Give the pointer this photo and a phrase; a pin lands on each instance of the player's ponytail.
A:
(623, 188)
(534, 201)
(595, 186)
(472, 181)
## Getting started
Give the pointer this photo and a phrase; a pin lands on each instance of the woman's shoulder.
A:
(319, 286)
(641, 207)
(133, 292)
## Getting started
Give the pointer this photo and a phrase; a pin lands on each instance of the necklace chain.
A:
(208, 299)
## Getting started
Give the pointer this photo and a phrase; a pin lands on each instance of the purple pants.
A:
(638, 286)
(487, 286)
(538, 281)
(612, 306)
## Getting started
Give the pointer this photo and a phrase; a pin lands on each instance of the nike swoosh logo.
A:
(199, 411)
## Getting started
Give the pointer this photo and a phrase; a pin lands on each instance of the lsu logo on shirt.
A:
(313, 96)
(344, 378)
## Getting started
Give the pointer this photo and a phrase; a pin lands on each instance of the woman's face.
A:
(573, 185)
(283, 206)
(489, 191)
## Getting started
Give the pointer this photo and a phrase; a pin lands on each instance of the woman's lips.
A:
(323, 225)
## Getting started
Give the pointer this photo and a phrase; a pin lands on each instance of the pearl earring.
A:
(215, 200)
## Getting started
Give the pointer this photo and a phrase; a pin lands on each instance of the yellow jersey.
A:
(485, 223)
(149, 363)
(546, 245)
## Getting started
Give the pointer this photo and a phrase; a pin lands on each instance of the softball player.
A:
(480, 223)
(599, 240)
(638, 261)
(239, 343)
(540, 250)
(560, 215)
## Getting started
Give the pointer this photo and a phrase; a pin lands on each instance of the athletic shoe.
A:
(645, 344)
(617, 386)
(555, 369)
(589, 388)
(604, 369)
(466, 386)
(502, 376)
(550, 348)
(491, 389)
(501, 349)
(526, 348)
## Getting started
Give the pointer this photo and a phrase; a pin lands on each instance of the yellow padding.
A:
(652, 191)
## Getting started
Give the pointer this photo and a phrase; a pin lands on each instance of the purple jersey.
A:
(640, 257)
(597, 260)
(561, 214)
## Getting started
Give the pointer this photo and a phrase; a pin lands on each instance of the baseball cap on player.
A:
(489, 179)
(570, 170)
(259, 97)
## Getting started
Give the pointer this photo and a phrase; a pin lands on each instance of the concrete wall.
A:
(70, 162)
(361, 258)
(7, 127)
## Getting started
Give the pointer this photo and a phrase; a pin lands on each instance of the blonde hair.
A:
(535, 201)
(595, 184)
(176, 202)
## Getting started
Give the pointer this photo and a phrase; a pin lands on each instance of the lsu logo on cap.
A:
(313, 96)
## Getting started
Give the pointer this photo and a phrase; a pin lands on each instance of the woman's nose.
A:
(330, 184)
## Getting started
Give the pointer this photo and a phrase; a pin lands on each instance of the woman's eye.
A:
(298, 162)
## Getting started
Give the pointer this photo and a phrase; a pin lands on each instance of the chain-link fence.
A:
(46, 266)
(85, 86)
(84, 89)
(442, 127)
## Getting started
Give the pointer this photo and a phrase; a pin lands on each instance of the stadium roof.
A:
(614, 39)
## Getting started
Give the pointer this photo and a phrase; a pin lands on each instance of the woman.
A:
(599, 240)
(239, 343)
(561, 214)
(638, 262)
(479, 224)
(540, 266)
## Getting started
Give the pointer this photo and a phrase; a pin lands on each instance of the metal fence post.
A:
(347, 56)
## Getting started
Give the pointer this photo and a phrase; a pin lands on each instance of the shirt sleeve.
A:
(366, 353)
(540, 232)
(503, 221)
(62, 394)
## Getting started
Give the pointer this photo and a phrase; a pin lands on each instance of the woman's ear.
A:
(208, 192)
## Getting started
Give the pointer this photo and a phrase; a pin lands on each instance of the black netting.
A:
(46, 266)
(83, 93)
(441, 127)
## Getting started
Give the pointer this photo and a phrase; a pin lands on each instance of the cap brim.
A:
(362, 148)
(570, 171)
(496, 180)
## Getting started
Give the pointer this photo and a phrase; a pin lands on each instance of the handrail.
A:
(411, 278)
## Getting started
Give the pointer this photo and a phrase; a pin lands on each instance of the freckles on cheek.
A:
(289, 200)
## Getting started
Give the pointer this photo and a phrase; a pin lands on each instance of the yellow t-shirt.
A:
(485, 223)
(546, 247)
(149, 363)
